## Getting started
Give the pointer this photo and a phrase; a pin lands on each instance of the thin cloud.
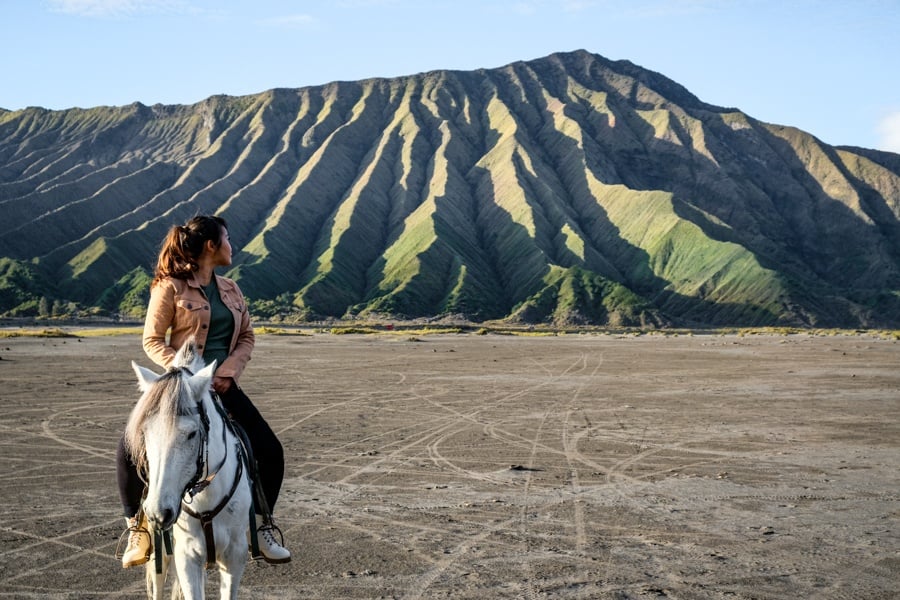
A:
(658, 10)
(115, 8)
(298, 21)
(643, 8)
(524, 8)
(574, 6)
(366, 3)
(889, 132)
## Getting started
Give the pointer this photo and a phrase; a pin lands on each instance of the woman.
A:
(187, 299)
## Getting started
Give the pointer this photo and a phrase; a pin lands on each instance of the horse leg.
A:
(191, 576)
(156, 582)
(230, 573)
(232, 559)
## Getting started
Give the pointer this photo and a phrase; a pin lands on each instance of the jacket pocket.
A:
(232, 302)
(189, 305)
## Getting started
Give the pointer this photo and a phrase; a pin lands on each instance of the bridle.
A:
(198, 482)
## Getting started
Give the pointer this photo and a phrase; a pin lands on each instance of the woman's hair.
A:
(184, 244)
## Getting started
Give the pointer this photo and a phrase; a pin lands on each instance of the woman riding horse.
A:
(188, 299)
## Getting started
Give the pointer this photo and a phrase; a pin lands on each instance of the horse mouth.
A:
(165, 518)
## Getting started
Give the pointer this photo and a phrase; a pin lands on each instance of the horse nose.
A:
(164, 519)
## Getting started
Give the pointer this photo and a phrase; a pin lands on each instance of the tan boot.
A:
(137, 550)
(269, 545)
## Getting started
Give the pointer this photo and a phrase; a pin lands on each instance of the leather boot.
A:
(137, 549)
(270, 540)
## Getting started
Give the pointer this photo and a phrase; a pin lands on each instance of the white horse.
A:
(197, 485)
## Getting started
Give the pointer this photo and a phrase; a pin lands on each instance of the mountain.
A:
(569, 189)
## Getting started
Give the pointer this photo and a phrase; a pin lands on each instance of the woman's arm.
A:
(160, 314)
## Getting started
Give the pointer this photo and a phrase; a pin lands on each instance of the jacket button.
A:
(205, 307)
(200, 347)
(190, 306)
(204, 326)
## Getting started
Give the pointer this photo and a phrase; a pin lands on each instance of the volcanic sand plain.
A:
(490, 466)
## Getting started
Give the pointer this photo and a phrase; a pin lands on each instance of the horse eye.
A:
(192, 435)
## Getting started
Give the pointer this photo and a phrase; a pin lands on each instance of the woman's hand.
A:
(222, 384)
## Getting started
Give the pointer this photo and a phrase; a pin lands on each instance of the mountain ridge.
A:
(566, 189)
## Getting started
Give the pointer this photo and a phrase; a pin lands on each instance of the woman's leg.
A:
(269, 457)
(266, 448)
(131, 491)
(131, 487)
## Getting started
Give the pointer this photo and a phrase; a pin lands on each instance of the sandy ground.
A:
(466, 466)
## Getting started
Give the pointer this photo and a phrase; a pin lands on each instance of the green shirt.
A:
(221, 326)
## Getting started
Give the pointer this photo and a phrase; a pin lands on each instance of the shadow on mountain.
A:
(570, 189)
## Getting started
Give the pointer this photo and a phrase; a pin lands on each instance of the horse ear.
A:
(146, 377)
(200, 381)
(187, 355)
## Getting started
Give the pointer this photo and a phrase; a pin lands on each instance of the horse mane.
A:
(167, 398)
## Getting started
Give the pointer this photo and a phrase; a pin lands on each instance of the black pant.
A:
(266, 448)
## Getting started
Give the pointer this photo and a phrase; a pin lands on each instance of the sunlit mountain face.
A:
(565, 190)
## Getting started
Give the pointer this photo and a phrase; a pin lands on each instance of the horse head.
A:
(167, 431)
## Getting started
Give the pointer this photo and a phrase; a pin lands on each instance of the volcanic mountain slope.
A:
(568, 189)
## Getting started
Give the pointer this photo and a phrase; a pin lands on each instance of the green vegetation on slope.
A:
(569, 189)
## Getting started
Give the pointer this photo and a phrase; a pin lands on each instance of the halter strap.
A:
(206, 518)
(200, 483)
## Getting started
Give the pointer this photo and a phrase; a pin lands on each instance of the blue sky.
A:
(829, 67)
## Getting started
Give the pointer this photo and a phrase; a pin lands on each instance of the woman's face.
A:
(222, 254)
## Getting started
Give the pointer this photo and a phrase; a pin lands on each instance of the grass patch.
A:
(108, 331)
(265, 330)
(354, 330)
(42, 333)
(410, 332)
(520, 332)
(56, 332)
(818, 332)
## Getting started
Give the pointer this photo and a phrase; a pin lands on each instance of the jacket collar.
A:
(221, 282)
(192, 282)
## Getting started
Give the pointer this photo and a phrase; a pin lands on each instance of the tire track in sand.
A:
(570, 448)
(520, 521)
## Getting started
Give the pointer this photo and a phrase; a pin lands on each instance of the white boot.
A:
(137, 550)
(269, 545)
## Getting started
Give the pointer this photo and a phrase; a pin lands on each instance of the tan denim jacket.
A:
(180, 305)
